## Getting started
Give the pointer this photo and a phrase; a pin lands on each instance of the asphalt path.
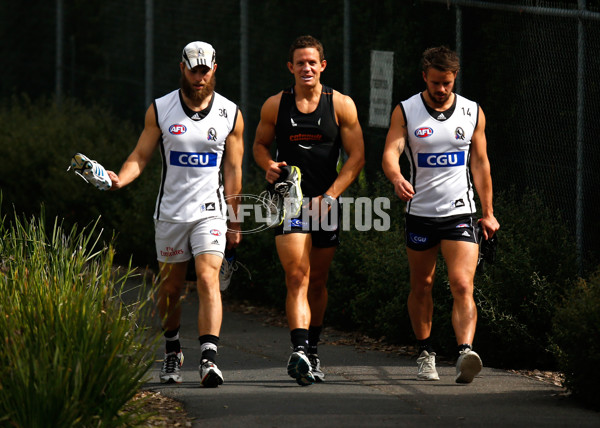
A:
(361, 389)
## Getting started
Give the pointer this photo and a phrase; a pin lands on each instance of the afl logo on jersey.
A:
(177, 129)
(423, 132)
(212, 134)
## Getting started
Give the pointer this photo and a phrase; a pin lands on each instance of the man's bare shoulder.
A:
(271, 107)
(344, 107)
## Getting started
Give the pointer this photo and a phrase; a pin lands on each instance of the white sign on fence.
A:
(382, 84)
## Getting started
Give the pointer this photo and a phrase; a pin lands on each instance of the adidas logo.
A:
(215, 242)
(441, 117)
(465, 233)
(196, 117)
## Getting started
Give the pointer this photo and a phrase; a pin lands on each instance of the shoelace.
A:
(427, 362)
(171, 363)
(270, 199)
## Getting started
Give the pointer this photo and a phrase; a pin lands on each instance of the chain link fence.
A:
(520, 65)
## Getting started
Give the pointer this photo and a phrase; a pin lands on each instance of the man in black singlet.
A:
(309, 123)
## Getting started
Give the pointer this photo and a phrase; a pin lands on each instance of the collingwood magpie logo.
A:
(212, 134)
(459, 134)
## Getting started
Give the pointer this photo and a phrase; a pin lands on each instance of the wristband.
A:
(328, 198)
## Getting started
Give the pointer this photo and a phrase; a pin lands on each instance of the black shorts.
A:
(423, 233)
(324, 235)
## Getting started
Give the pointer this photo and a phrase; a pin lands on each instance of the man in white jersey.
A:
(200, 137)
(443, 136)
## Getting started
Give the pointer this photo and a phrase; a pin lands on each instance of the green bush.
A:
(72, 353)
(575, 333)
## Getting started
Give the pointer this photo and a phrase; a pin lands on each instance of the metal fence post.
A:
(149, 52)
(579, 209)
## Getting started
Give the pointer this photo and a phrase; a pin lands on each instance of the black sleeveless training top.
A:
(310, 141)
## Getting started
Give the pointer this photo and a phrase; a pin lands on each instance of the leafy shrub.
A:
(575, 333)
(71, 354)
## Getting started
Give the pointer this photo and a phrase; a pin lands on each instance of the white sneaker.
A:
(291, 191)
(427, 371)
(210, 375)
(228, 266)
(91, 171)
(171, 368)
(468, 366)
(299, 368)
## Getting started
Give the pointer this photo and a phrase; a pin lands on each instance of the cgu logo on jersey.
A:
(441, 160)
(177, 129)
(423, 132)
(194, 160)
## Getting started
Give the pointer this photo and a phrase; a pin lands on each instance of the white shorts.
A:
(179, 242)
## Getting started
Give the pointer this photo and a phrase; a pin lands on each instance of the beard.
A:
(435, 97)
(194, 94)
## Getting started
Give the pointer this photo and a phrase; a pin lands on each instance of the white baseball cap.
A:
(198, 53)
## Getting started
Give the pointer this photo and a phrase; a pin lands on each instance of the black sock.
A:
(425, 345)
(299, 339)
(314, 335)
(172, 341)
(464, 347)
(208, 347)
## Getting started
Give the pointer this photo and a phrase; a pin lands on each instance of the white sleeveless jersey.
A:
(439, 155)
(192, 151)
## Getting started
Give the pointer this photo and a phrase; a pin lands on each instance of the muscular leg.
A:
(420, 300)
(172, 280)
(210, 311)
(320, 261)
(461, 259)
(294, 254)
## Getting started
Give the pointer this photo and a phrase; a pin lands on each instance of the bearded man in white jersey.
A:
(443, 136)
(200, 137)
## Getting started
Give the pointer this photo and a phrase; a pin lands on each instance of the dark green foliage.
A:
(575, 333)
